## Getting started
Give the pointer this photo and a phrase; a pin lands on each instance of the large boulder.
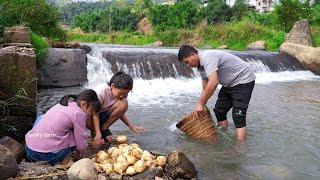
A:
(15, 147)
(63, 68)
(83, 169)
(257, 45)
(17, 34)
(308, 56)
(300, 33)
(8, 164)
(179, 166)
(18, 81)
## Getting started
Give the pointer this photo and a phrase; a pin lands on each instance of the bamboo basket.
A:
(199, 126)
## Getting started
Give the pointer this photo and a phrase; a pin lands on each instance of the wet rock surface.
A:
(149, 64)
(179, 166)
(63, 68)
(308, 56)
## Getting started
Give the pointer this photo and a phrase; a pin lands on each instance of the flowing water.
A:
(283, 119)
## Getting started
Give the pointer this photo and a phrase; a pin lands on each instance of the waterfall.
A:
(155, 63)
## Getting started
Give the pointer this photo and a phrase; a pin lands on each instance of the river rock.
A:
(63, 68)
(223, 47)
(149, 174)
(101, 177)
(18, 79)
(85, 47)
(257, 45)
(179, 166)
(158, 43)
(16, 148)
(83, 169)
(300, 33)
(308, 56)
(18, 34)
(8, 163)
(115, 176)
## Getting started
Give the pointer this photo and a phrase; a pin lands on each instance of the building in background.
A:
(264, 6)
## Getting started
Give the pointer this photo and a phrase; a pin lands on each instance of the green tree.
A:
(306, 10)
(39, 16)
(316, 2)
(183, 14)
(141, 7)
(288, 12)
(217, 11)
(88, 22)
(315, 18)
(239, 10)
(70, 10)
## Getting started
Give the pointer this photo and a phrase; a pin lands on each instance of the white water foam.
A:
(164, 91)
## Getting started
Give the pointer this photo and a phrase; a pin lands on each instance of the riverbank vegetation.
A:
(191, 22)
(41, 17)
(143, 22)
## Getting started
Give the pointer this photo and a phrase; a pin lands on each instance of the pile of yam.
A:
(126, 159)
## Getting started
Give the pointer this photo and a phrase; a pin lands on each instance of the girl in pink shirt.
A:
(62, 129)
(114, 104)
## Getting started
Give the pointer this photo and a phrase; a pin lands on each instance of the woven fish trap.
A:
(198, 126)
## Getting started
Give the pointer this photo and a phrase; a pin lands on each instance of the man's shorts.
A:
(236, 97)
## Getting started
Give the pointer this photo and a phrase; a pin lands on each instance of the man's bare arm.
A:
(204, 83)
(209, 88)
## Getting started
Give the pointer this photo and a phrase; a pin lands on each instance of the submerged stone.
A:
(179, 166)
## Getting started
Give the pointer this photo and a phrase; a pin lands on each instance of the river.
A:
(283, 121)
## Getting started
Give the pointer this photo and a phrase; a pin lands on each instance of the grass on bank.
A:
(40, 45)
(114, 38)
(315, 31)
(236, 35)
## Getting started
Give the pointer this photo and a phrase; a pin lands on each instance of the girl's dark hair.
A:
(121, 80)
(186, 51)
(88, 95)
